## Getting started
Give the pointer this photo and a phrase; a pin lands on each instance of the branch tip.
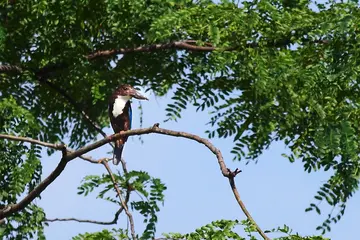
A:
(232, 174)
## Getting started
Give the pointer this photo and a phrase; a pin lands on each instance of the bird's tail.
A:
(117, 154)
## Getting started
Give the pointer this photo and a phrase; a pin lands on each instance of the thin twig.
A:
(116, 217)
(123, 203)
(34, 141)
(128, 189)
(55, 146)
(114, 221)
(243, 208)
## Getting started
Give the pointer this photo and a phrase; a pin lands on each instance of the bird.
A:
(120, 115)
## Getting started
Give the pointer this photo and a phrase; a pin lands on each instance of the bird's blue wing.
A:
(130, 115)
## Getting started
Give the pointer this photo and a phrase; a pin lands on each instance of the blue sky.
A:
(275, 191)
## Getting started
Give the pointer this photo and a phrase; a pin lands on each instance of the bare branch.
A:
(55, 146)
(123, 203)
(154, 129)
(30, 140)
(114, 221)
(68, 156)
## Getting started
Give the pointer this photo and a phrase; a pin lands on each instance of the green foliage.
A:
(25, 225)
(151, 191)
(226, 229)
(150, 207)
(103, 235)
(20, 171)
(216, 230)
(291, 74)
(290, 236)
(222, 229)
(2, 38)
(293, 79)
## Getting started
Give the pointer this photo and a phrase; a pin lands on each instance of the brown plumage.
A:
(120, 114)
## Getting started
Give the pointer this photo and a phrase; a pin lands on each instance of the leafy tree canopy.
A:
(268, 70)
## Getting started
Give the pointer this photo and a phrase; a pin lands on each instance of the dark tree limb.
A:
(12, 208)
(114, 221)
(55, 146)
(189, 45)
(68, 156)
(34, 141)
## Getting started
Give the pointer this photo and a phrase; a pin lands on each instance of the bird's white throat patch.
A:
(119, 105)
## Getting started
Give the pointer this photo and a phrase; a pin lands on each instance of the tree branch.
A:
(55, 146)
(12, 208)
(10, 68)
(34, 141)
(123, 203)
(189, 45)
(114, 221)
(243, 208)
(68, 156)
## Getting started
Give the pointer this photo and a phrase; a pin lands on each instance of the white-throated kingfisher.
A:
(120, 115)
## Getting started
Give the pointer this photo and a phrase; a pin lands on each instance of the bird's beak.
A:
(137, 95)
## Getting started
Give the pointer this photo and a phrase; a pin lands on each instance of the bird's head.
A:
(128, 91)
